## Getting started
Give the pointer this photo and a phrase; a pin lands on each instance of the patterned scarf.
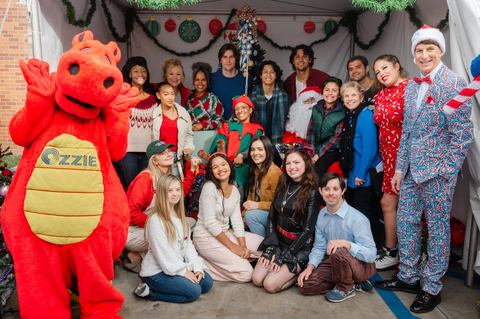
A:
(280, 110)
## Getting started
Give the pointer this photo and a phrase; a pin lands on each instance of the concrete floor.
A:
(230, 300)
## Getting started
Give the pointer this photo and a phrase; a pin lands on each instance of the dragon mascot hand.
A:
(65, 217)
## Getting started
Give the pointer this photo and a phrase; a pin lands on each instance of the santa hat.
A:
(428, 33)
(311, 91)
(242, 99)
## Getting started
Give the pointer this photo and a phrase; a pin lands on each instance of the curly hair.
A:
(276, 69)
(253, 116)
(203, 67)
(308, 183)
(308, 51)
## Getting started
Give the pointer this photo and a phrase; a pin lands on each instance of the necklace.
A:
(180, 239)
(287, 196)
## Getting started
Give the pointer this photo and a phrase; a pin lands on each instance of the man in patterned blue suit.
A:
(432, 150)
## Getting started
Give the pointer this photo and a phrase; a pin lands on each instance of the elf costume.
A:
(237, 137)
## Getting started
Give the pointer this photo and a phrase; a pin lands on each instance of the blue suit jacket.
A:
(433, 143)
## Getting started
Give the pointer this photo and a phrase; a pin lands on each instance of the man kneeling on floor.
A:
(343, 255)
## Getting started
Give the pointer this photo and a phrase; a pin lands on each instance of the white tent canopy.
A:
(285, 20)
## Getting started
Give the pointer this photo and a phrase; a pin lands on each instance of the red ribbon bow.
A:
(426, 79)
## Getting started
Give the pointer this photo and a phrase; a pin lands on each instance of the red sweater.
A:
(140, 195)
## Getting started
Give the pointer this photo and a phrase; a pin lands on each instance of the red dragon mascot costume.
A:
(65, 218)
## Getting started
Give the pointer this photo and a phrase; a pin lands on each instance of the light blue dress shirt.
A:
(349, 224)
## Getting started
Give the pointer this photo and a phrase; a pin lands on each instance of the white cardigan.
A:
(166, 256)
(184, 126)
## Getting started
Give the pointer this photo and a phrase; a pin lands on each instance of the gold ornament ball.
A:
(250, 63)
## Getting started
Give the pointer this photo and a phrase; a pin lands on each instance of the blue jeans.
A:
(257, 220)
(132, 164)
(177, 288)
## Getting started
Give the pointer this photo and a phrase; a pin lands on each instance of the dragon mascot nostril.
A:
(65, 217)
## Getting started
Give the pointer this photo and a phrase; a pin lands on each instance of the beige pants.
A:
(136, 240)
(224, 265)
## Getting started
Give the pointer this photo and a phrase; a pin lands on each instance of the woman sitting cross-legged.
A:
(291, 224)
(226, 251)
(263, 177)
(141, 198)
(172, 270)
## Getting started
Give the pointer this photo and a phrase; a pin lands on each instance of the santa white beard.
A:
(299, 118)
(300, 114)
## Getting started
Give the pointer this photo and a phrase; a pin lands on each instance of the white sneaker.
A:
(386, 260)
(142, 290)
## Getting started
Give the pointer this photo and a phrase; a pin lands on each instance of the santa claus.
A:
(300, 114)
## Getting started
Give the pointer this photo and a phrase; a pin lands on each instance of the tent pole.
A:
(129, 48)
(352, 45)
(472, 253)
(37, 44)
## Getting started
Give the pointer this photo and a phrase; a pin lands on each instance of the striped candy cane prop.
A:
(467, 92)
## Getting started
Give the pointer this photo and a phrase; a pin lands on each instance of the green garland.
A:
(412, 16)
(290, 48)
(71, 14)
(349, 20)
(191, 53)
(383, 5)
(372, 42)
(163, 4)
(113, 31)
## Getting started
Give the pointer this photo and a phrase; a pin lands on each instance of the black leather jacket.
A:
(274, 238)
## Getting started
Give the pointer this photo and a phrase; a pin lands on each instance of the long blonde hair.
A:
(162, 207)
(155, 171)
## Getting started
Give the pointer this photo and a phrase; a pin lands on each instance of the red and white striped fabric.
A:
(462, 96)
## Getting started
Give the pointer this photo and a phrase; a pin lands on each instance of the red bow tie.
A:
(425, 79)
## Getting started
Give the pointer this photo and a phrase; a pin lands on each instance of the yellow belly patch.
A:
(64, 199)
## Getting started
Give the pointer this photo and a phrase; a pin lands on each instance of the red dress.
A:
(388, 115)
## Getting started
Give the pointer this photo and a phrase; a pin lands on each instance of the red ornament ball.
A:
(7, 173)
(170, 25)
(215, 26)
(261, 25)
(309, 26)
